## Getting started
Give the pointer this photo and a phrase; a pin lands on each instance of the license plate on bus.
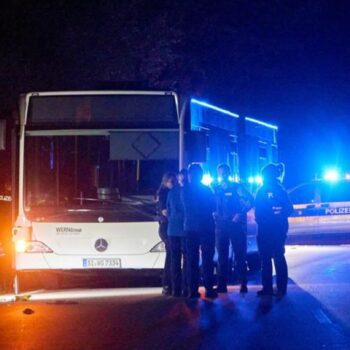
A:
(100, 263)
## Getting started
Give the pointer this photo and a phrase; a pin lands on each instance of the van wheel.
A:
(254, 262)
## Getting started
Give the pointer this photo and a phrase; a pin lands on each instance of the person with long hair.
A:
(167, 183)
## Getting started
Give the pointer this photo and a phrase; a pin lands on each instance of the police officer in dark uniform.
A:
(233, 202)
(272, 209)
(177, 242)
(199, 204)
(168, 182)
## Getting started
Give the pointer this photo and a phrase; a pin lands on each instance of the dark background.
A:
(285, 62)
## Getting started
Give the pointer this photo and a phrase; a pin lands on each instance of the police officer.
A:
(168, 181)
(177, 241)
(233, 202)
(272, 209)
(199, 204)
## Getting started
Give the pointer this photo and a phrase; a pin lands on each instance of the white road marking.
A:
(321, 316)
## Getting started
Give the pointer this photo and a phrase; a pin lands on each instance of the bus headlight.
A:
(159, 248)
(23, 246)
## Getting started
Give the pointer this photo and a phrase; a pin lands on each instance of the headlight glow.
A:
(21, 246)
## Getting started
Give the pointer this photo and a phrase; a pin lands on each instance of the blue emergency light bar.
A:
(225, 111)
(261, 123)
(215, 108)
(332, 175)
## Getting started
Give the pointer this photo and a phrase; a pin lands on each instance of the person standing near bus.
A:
(168, 182)
(199, 204)
(182, 177)
(272, 209)
(177, 241)
(233, 202)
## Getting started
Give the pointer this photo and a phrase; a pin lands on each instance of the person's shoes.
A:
(166, 291)
(264, 292)
(211, 294)
(220, 289)
(243, 289)
(194, 295)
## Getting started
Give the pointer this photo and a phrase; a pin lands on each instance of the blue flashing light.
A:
(207, 180)
(258, 180)
(261, 123)
(215, 108)
(331, 175)
(234, 178)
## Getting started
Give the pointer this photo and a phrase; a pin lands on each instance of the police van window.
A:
(303, 194)
(335, 192)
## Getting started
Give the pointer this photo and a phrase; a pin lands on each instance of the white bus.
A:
(89, 163)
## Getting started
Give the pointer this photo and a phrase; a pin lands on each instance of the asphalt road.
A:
(315, 314)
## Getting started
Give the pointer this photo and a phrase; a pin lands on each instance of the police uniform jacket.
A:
(199, 204)
(231, 199)
(273, 206)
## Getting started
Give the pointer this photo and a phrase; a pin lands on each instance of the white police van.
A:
(321, 207)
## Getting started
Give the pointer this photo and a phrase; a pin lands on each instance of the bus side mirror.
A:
(2, 134)
(196, 146)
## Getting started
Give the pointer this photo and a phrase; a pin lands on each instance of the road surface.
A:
(315, 314)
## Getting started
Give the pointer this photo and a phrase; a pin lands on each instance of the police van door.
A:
(335, 204)
(306, 203)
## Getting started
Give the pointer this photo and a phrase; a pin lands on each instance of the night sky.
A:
(287, 62)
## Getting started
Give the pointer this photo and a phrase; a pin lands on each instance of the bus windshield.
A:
(75, 177)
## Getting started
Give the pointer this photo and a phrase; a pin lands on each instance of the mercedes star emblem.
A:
(101, 245)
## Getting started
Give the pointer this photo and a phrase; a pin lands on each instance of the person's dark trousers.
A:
(177, 246)
(166, 279)
(226, 234)
(205, 241)
(271, 247)
(239, 245)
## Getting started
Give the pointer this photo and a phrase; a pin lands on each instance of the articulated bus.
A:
(87, 165)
